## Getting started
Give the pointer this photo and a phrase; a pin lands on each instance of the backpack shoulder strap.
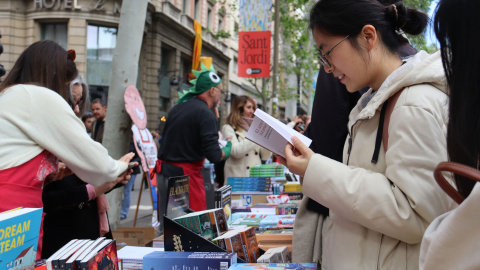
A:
(391, 104)
(382, 131)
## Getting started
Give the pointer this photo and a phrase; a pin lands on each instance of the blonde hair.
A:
(234, 119)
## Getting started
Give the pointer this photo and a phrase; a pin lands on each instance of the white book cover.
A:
(272, 134)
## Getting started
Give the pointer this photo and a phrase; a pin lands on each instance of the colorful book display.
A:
(19, 231)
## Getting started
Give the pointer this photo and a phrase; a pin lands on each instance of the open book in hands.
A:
(272, 134)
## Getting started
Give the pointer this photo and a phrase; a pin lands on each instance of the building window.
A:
(235, 65)
(209, 17)
(56, 32)
(197, 11)
(186, 7)
(101, 42)
(220, 23)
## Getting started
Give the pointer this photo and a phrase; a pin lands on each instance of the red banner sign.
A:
(254, 54)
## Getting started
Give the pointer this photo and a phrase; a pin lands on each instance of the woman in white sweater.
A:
(39, 128)
(245, 153)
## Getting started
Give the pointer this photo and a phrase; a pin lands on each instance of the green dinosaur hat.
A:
(205, 79)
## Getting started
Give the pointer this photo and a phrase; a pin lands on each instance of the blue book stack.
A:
(261, 184)
(189, 260)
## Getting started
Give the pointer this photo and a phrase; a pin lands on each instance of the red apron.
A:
(23, 185)
(196, 195)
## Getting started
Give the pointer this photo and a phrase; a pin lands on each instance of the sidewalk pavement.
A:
(145, 209)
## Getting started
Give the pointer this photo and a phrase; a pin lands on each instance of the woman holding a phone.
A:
(39, 128)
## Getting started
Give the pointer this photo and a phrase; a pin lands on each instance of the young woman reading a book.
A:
(39, 128)
(383, 196)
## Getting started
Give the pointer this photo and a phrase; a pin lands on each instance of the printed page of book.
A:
(272, 134)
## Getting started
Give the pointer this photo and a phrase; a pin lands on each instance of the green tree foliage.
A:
(420, 41)
(297, 48)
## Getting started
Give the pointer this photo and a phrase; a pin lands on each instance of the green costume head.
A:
(205, 79)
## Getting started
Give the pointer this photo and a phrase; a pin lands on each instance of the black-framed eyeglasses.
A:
(323, 57)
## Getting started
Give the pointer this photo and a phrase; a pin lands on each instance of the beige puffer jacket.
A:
(244, 155)
(379, 212)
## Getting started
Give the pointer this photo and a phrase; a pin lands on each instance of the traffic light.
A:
(2, 68)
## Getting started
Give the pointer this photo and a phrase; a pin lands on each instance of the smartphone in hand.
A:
(132, 164)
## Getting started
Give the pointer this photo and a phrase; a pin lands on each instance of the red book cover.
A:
(105, 258)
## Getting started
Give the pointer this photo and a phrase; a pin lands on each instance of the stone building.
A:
(90, 28)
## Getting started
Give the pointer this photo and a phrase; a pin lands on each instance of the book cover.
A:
(208, 223)
(178, 201)
(233, 242)
(223, 199)
(104, 256)
(180, 238)
(274, 266)
(163, 260)
(279, 221)
(19, 231)
(272, 134)
(250, 242)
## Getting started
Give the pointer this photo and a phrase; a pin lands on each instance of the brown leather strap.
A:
(457, 168)
(390, 105)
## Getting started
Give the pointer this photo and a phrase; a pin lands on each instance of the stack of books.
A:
(268, 170)
(250, 185)
(292, 187)
(85, 254)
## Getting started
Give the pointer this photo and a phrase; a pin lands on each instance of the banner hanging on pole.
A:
(254, 54)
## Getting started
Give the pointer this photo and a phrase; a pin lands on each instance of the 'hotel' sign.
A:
(67, 4)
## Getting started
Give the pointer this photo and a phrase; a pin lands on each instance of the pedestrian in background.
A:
(190, 136)
(245, 153)
(99, 110)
